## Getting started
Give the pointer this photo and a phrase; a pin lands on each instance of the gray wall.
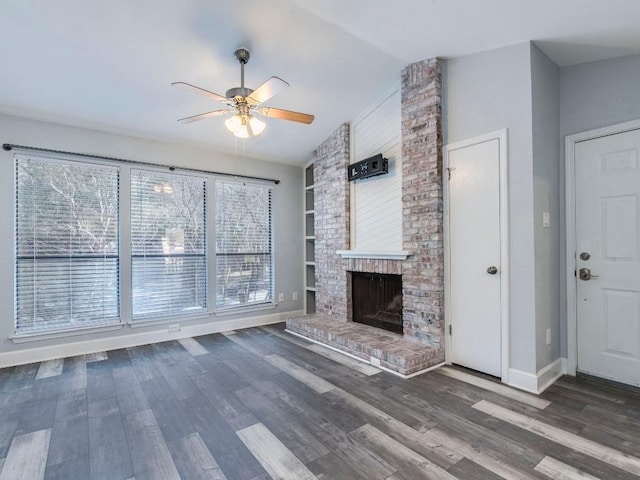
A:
(545, 94)
(483, 93)
(599, 94)
(518, 87)
(287, 206)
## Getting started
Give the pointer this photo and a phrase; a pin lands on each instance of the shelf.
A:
(309, 227)
(309, 236)
(311, 301)
(309, 198)
(308, 176)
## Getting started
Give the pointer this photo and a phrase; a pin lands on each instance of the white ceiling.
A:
(109, 65)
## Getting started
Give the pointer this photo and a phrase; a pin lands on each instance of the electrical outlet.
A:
(281, 297)
(548, 336)
(174, 327)
(294, 296)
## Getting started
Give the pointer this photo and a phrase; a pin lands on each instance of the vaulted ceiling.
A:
(109, 65)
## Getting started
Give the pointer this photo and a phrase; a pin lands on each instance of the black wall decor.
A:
(369, 167)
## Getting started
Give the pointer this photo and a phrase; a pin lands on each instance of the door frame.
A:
(501, 136)
(570, 229)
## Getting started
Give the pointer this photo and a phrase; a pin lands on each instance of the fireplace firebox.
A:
(377, 300)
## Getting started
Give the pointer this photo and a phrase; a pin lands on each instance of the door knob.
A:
(585, 274)
(492, 270)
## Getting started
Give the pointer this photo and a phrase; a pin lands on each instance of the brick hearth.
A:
(394, 352)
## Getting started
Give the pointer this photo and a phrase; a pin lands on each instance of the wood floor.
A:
(260, 404)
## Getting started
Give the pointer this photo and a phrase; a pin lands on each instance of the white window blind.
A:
(244, 260)
(67, 267)
(168, 244)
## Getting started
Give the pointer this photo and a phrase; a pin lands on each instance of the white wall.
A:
(483, 93)
(376, 203)
(545, 87)
(287, 214)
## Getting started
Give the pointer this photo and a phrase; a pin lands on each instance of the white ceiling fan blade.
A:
(202, 116)
(201, 91)
(286, 115)
(267, 90)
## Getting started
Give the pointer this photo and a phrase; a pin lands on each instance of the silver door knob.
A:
(585, 274)
(492, 270)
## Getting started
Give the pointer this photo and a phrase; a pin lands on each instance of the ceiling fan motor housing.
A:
(238, 92)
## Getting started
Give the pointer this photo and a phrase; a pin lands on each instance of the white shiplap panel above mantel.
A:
(376, 203)
(374, 255)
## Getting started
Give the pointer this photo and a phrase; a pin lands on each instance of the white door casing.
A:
(476, 310)
(607, 222)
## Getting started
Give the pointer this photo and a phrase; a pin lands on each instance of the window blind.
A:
(244, 260)
(168, 244)
(67, 257)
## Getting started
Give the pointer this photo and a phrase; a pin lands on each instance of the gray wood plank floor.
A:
(260, 404)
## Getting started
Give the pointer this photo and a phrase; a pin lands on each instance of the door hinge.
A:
(449, 169)
(449, 329)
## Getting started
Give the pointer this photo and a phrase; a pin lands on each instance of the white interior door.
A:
(607, 175)
(474, 256)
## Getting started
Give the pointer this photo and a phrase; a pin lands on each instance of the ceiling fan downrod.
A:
(242, 54)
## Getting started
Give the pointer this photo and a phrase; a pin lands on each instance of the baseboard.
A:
(41, 354)
(539, 382)
(549, 374)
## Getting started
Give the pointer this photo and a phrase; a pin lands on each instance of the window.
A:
(244, 260)
(67, 258)
(69, 270)
(168, 244)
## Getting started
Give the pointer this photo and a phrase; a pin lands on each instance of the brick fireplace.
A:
(422, 230)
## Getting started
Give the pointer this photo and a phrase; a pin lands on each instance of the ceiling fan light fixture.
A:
(245, 126)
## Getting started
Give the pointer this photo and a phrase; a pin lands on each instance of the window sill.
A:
(224, 312)
(39, 336)
(148, 322)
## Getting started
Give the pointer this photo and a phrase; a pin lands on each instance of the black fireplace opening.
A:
(377, 300)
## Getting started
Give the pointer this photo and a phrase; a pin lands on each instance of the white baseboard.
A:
(549, 374)
(41, 354)
(543, 379)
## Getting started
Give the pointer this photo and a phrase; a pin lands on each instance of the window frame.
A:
(170, 316)
(46, 332)
(267, 304)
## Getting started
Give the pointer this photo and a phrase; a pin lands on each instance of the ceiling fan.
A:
(243, 102)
